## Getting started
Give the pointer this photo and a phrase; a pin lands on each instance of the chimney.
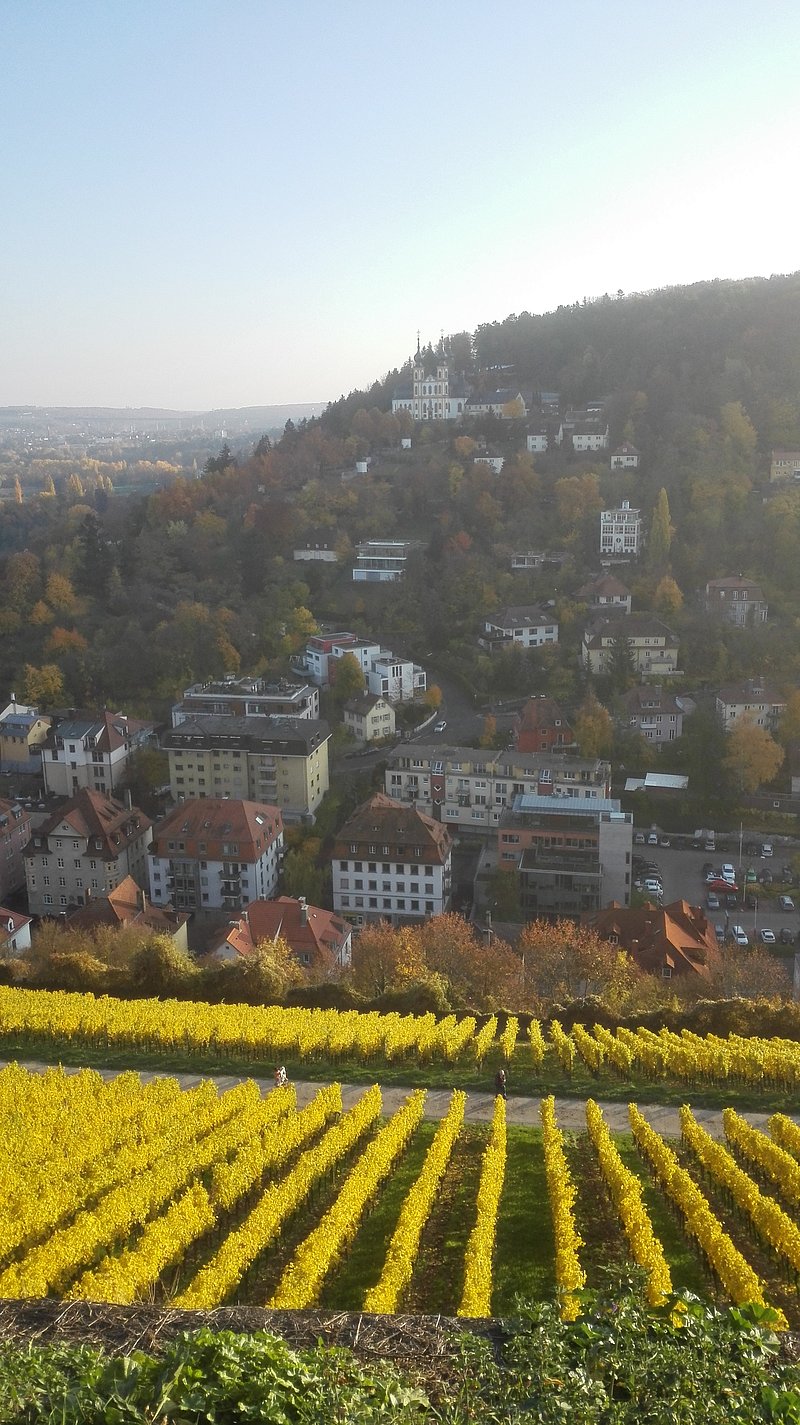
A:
(303, 910)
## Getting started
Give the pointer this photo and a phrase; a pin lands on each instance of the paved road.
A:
(520, 1109)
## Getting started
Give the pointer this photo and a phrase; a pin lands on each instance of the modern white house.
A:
(520, 625)
(385, 673)
(378, 561)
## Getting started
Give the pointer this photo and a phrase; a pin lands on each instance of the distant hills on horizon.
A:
(237, 420)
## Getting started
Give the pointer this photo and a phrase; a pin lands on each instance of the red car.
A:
(720, 884)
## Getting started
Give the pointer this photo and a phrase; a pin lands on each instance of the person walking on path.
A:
(500, 1084)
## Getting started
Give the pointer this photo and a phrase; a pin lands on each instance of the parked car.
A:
(712, 901)
(751, 901)
(652, 839)
(639, 838)
(708, 867)
(719, 883)
(785, 902)
(786, 936)
(440, 726)
(653, 868)
(766, 849)
(765, 877)
(787, 875)
(731, 900)
(719, 929)
(665, 841)
(728, 871)
(654, 888)
(739, 936)
(750, 876)
(767, 936)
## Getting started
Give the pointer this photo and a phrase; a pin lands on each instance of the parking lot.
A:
(682, 874)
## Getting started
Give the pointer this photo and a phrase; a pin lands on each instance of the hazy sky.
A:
(239, 202)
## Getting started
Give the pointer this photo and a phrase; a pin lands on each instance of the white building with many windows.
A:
(621, 531)
(216, 854)
(391, 862)
(470, 787)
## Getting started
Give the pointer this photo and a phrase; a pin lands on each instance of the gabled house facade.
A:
(391, 862)
(606, 592)
(128, 905)
(90, 750)
(369, 717)
(320, 941)
(625, 457)
(737, 600)
(785, 465)
(542, 727)
(671, 941)
(654, 713)
(85, 849)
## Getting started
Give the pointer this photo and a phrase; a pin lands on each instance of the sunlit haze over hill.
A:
(226, 205)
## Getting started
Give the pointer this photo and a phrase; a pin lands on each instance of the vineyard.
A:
(123, 1192)
(321, 1042)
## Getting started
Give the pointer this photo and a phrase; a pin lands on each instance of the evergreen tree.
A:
(660, 534)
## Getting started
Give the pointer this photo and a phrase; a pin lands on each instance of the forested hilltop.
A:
(124, 600)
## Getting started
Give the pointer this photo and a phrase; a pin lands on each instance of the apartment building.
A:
(391, 862)
(217, 853)
(84, 849)
(571, 856)
(470, 788)
(90, 750)
(280, 761)
(248, 697)
(15, 833)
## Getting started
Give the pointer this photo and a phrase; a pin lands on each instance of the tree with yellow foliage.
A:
(752, 757)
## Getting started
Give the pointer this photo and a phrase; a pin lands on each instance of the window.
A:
(60, 861)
